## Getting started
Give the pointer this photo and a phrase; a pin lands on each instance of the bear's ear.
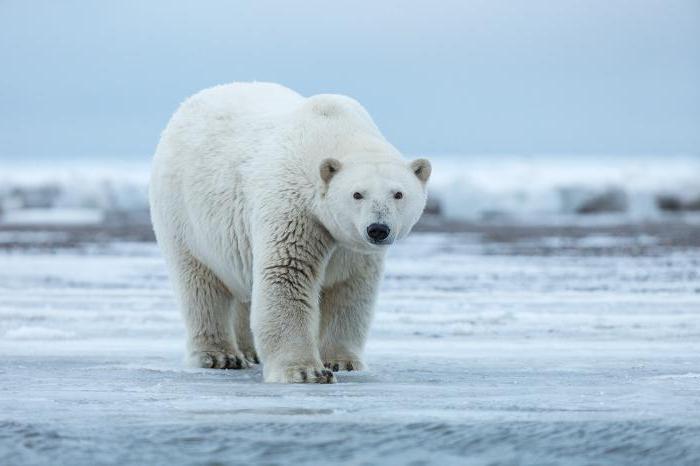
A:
(328, 169)
(421, 168)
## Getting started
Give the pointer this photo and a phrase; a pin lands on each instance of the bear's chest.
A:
(345, 263)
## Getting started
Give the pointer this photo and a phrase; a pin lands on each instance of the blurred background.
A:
(549, 112)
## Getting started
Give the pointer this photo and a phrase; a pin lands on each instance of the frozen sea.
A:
(543, 348)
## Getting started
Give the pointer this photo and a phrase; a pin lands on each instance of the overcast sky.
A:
(100, 79)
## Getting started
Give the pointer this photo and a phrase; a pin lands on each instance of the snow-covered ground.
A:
(553, 350)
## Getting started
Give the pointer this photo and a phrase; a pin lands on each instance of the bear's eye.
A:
(398, 195)
(357, 195)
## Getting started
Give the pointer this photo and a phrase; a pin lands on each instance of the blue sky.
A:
(100, 79)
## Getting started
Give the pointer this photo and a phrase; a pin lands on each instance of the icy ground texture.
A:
(480, 354)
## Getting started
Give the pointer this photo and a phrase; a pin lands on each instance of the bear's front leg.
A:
(288, 267)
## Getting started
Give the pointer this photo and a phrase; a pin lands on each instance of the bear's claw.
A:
(312, 376)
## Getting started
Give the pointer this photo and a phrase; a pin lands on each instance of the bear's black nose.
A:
(378, 232)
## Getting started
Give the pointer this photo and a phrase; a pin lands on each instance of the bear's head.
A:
(367, 205)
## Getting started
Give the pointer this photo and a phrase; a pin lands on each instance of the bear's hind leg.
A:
(206, 306)
(244, 335)
(346, 313)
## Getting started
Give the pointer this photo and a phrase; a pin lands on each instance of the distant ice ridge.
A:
(74, 192)
(564, 188)
(472, 188)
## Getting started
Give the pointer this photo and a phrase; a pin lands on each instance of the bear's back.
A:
(245, 98)
(245, 122)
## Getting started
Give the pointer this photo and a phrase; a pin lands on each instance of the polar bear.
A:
(274, 213)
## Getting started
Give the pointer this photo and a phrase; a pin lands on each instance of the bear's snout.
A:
(378, 232)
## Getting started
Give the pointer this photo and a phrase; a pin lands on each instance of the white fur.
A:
(254, 236)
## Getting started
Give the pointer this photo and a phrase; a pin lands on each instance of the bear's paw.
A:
(300, 374)
(219, 360)
(251, 356)
(344, 364)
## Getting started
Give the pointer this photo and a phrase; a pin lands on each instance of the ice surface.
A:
(481, 353)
